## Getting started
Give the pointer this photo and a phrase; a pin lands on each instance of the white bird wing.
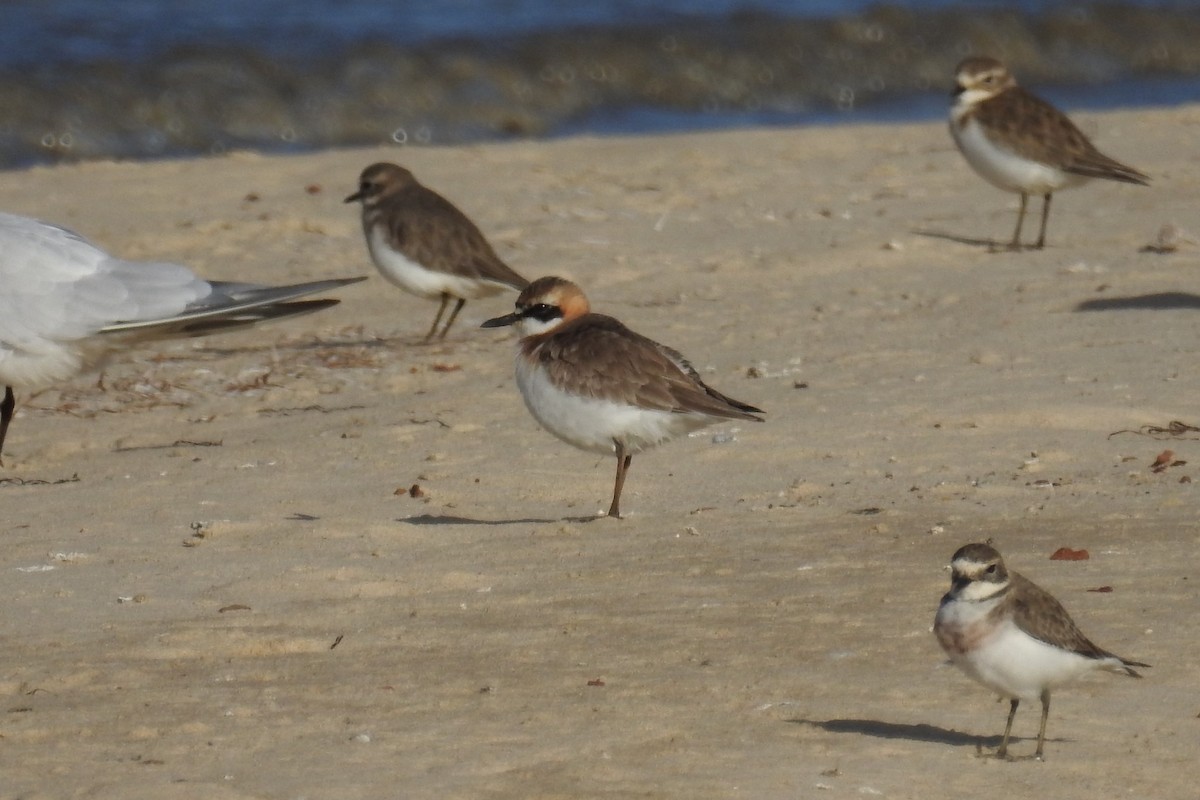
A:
(65, 303)
(55, 286)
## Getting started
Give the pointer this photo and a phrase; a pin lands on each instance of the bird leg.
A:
(7, 407)
(462, 301)
(1015, 244)
(623, 461)
(438, 318)
(1041, 242)
(1045, 716)
(1012, 712)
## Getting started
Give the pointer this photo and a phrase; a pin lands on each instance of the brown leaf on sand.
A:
(1162, 461)
(1067, 554)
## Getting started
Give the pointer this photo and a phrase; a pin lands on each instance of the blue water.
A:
(907, 108)
(42, 33)
(153, 78)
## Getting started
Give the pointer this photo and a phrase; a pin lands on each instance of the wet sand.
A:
(219, 585)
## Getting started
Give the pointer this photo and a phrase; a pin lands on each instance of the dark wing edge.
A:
(1065, 633)
(1098, 165)
(1077, 153)
(724, 403)
(596, 347)
(465, 251)
(239, 304)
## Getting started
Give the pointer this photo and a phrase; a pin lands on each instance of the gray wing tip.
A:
(255, 293)
(203, 326)
(236, 303)
(326, 284)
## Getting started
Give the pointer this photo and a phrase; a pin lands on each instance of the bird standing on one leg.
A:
(599, 386)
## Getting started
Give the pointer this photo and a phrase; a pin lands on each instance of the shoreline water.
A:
(681, 73)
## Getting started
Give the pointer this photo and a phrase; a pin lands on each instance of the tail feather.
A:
(1101, 166)
(203, 326)
(746, 409)
(234, 305)
(1129, 667)
(1115, 663)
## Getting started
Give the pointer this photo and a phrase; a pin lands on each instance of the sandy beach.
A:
(219, 582)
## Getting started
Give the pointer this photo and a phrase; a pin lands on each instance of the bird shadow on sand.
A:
(985, 746)
(895, 730)
(450, 519)
(1159, 301)
(991, 245)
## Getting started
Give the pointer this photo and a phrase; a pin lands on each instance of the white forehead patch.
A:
(966, 566)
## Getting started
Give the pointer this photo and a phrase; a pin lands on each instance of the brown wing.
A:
(596, 355)
(1044, 618)
(685, 365)
(1037, 130)
(430, 230)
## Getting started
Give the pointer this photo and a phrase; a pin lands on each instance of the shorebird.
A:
(599, 386)
(1020, 143)
(1013, 636)
(66, 305)
(422, 243)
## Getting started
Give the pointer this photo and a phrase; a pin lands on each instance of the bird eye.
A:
(991, 570)
(543, 312)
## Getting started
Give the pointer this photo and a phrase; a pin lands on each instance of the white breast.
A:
(1008, 660)
(593, 424)
(422, 281)
(1005, 169)
(42, 363)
